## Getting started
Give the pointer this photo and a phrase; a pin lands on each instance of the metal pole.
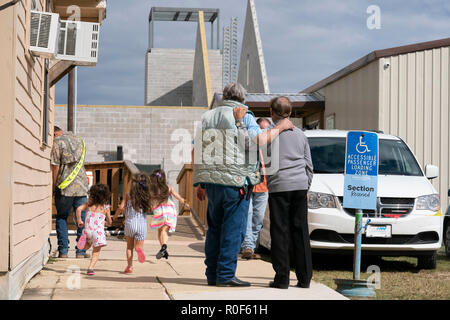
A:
(212, 35)
(150, 31)
(75, 101)
(153, 32)
(149, 35)
(70, 100)
(357, 252)
(119, 153)
(218, 31)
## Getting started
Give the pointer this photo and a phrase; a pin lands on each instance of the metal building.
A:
(403, 91)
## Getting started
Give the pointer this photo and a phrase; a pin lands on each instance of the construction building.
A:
(174, 76)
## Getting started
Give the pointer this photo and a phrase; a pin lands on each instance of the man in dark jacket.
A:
(288, 189)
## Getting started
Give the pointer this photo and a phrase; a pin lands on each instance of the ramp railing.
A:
(117, 175)
(187, 191)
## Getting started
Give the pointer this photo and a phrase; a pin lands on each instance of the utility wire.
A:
(8, 4)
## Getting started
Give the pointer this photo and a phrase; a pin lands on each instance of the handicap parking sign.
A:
(361, 170)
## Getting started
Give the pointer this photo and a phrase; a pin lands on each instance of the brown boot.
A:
(247, 254)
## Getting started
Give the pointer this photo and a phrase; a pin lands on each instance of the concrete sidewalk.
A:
(181, 277)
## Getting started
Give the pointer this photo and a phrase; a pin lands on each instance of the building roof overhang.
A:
(90, 10)
(303, 104)
(375, 55)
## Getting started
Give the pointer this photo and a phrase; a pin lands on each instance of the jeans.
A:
(63, 205)
(227, 219)
(256, 212)
(290, 236)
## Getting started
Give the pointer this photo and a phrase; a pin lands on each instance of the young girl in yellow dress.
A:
(164, 210)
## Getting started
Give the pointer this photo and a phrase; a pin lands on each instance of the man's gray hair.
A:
(234, 91)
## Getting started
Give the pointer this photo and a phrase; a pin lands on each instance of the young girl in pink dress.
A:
(98, 211)
(164, 211)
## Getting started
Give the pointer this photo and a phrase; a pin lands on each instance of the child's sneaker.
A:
(81, 242)
(162, 253)
(141, 255)
(90, 272)
(128, 270)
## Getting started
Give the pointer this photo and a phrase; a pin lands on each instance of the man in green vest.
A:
(225, 170)
(70, 185)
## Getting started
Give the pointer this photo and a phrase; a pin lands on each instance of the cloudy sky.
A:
(304, 41)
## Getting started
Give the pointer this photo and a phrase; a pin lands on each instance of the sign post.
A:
(360, 192)
(357, 249)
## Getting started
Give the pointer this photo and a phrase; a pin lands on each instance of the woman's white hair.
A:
(234, 91)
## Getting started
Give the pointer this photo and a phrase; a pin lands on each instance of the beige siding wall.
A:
(31, 178)
(414, 104)
(354, 99)
(7, 63)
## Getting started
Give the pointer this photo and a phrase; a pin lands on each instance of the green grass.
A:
(400, 277)
(51, 260)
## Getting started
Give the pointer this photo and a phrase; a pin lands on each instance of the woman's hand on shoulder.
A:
(239, 113)
(286, 124)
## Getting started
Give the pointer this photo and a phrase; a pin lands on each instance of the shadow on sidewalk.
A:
(174, 255)
(85, 269)
(199, 247)
(127, 278)
(187, 229)
(203, 283)
(184, 281)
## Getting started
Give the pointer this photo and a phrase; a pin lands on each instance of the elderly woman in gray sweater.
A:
(288, 188)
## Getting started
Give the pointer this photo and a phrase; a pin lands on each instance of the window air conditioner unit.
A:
(44, 33)
(78, 41)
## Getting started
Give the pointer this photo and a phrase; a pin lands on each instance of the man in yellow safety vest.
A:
(70, 184)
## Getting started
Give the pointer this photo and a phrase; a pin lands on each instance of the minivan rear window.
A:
(328, 156)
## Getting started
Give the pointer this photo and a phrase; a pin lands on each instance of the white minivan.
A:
(408, 208)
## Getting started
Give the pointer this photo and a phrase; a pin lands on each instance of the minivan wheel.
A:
(447, 239)
(427, 261)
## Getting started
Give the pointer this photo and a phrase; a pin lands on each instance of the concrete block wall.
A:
(146, 133)
(215, 69)
(169, 77)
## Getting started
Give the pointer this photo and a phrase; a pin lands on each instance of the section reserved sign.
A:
(361, 170)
